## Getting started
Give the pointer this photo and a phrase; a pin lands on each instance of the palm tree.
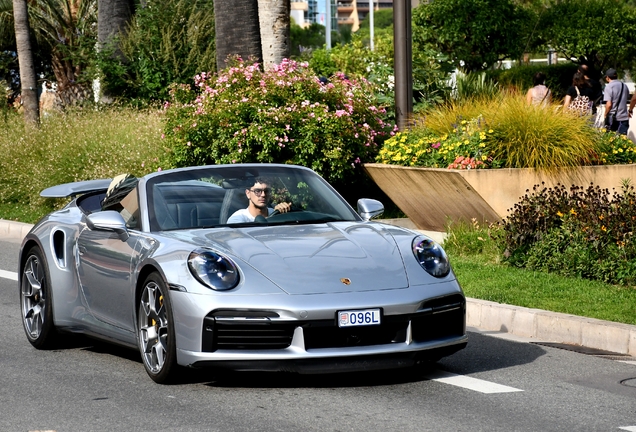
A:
(28, 80)
(237, 30)
(68, 26)
(274, 25)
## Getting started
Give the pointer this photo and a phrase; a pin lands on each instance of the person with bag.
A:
(616, 95)
(579, 97)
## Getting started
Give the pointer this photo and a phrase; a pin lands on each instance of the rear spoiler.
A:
(76, 188)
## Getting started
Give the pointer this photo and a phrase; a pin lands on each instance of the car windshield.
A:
(210, 196)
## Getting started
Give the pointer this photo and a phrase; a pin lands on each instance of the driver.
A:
(258, 196)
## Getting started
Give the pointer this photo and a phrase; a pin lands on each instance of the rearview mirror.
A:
(369, 208)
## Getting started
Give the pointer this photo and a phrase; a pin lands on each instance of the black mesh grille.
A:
(441, 318)
(220, 335)
(329, 335)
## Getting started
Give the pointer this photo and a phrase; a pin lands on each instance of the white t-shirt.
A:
(244, 216)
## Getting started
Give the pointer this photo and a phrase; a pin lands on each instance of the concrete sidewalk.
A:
(543, 326)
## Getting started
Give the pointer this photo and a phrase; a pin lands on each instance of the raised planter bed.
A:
(432, 196)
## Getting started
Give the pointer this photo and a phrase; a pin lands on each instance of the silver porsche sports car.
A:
(244, 267)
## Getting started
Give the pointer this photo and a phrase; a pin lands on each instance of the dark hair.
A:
(579, 80)
(262, 180)
(538, 78)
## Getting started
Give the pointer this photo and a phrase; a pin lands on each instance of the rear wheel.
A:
(155, 329)
(36, 302)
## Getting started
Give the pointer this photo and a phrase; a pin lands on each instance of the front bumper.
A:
(270, 339)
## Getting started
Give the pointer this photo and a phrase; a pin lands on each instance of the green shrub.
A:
(168, 41)
(285, 115)
(580, 232)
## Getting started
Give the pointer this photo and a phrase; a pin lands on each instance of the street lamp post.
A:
(328, 24)
(403, 62)
(371, 6)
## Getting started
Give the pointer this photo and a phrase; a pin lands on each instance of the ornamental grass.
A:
(79, 145)
(504, 131)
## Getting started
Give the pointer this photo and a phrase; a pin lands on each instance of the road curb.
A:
(490, 316)
(551, 326)
(13, 230)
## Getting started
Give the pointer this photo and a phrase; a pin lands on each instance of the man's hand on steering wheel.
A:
(281, 208)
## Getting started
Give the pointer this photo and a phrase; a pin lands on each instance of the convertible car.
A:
(157, 264)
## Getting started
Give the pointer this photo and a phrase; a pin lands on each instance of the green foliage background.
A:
(168, 41)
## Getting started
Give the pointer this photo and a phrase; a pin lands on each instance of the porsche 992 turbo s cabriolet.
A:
(244, 267)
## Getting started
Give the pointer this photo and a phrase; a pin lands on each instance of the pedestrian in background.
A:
(615, 96)
(539, 94)
(593, 80)
(579, 97)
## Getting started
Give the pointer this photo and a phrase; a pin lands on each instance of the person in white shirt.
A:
(258, 196)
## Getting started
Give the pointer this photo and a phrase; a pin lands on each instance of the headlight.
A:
(431, 256)
(213, 270)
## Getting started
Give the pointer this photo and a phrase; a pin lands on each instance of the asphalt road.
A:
(493, 385)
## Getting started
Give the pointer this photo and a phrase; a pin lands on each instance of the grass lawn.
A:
(483, 279)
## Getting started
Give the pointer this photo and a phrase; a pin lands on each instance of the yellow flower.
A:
(572, 212)
(490, 131)
(603, 228)
(559, 214)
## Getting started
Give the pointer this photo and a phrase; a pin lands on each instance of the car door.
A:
(105, 273)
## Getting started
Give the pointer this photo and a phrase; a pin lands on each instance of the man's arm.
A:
(631, 104)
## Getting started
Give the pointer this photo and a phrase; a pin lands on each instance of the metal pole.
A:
(403, 62)
(328, 24)
(371, 7)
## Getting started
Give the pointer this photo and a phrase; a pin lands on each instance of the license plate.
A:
(364, 317)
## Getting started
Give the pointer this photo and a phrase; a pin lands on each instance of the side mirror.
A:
(369, 208)
(108, 220)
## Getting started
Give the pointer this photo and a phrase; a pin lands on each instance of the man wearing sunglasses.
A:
(258, 197)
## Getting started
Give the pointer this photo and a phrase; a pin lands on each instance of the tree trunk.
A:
(274, 24)
(237, 30)
(28, 79)
(112, 18)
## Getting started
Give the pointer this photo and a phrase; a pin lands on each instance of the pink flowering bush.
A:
(285, 115)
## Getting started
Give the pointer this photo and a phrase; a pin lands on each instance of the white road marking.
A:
(469, 383)
(628, 362)
(8, 275)
(628, 428)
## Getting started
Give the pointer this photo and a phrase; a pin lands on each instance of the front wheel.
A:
(36, 302)
(155, 329)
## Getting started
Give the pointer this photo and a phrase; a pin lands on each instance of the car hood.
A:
(312, 259)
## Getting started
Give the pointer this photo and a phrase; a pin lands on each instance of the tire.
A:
(36, 301)
(155, 330)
